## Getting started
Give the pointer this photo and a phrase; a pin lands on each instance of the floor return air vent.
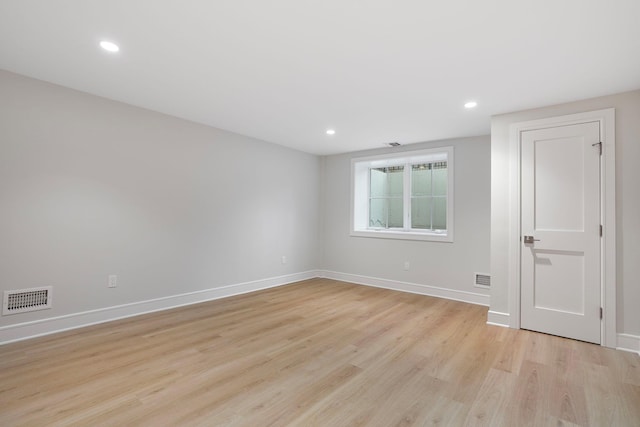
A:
(23, 300)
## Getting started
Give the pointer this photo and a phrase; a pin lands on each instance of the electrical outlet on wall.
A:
(284, 259)
(406, 266)
(113, 281)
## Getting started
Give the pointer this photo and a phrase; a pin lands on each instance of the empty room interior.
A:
(330, 213)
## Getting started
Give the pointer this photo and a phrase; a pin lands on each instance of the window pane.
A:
(421, 180)
(386, 182)
(421, 213)
(378, 213)
(439, 213)
(395, 213)
(396, 181)
(385, 201)
(378, 182)
(440, 179)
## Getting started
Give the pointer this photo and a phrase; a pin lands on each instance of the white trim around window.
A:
(360, 194)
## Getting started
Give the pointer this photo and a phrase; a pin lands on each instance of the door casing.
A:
(606, 119)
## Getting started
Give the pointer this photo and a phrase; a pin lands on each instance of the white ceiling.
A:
(286, 70)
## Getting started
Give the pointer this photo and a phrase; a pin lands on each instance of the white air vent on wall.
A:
(482, 280)
(24, 300)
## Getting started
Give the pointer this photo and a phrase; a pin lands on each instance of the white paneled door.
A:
(560, 242)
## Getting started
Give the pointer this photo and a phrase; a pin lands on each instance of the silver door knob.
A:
(530, 239)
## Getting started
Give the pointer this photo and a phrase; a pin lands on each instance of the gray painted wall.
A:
(91, 187)
(627, 106)
(440, 264)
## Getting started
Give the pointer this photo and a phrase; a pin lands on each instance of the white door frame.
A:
(606, 118)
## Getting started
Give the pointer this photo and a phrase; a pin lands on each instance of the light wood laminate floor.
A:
(316, 353)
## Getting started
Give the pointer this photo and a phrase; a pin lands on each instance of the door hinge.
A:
(600, 230)
(601, 312)
(599, 144)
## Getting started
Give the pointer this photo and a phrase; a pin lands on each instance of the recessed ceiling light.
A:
(109, 46)
(471, 104)
(331, 132)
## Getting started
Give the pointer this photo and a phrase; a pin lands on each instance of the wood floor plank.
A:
(315, 353)
(491, 404)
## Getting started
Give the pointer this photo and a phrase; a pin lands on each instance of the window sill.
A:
(404, 235)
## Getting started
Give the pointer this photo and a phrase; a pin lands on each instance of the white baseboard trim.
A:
(628, 342)
(26, 330)
(497, 318)
(415, 288)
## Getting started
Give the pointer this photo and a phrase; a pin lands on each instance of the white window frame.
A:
(360, 194)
